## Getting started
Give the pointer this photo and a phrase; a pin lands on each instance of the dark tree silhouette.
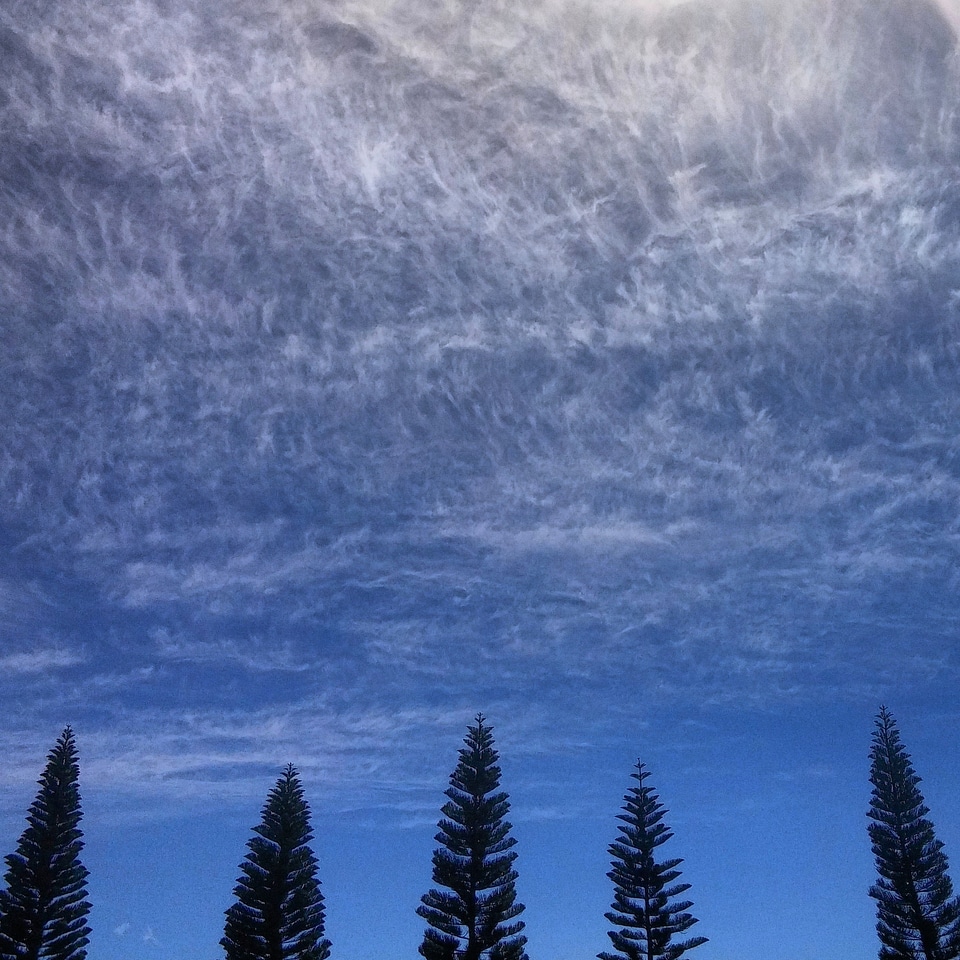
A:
(475, 915)
(918, 917)
(278, 913)
(43, 910)
(644, 888)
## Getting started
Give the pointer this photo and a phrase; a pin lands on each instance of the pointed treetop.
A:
(65, 749)
(44, 907)
(647, 916)
(886, 726)
(279, 909)
(918, 917)
(472, 913)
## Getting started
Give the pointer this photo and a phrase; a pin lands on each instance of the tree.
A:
(644, 888)
(43, 910)
(278, 913)
(918, 917)
(475, 915)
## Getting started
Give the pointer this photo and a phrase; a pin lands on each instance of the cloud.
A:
(252, 653)
(951, 10)
(444, 359)
(39, 661)
(147, 761)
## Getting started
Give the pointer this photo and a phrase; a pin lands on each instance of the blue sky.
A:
(589, 363)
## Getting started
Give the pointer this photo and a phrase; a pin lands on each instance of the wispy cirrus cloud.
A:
(449, 353)
(40, 660)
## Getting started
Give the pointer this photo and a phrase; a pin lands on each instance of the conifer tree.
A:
(43, 910)
(475, 915)
(279, 912)
(918, 917)
(642, 909)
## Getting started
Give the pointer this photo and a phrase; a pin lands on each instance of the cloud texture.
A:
(363, 358)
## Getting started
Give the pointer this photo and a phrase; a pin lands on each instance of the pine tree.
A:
(475, 915)
(43, 910)
(918, 917)
(279, 912)
(641, 907)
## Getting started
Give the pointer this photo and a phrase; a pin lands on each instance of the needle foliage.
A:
(279, 911)
(43, 910)
(473, 911)
(647, 917)
(918, 917)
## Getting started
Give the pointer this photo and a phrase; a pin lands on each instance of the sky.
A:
(592, 364)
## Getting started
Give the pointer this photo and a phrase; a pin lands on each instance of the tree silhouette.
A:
(475, 914)
(44, 907)
(278, 913)
(918, 917)
(641, 907)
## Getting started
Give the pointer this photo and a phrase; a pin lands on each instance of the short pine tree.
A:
(279, 912)
(43, 910)
(918, 917)
(641, 908)
(475, 915)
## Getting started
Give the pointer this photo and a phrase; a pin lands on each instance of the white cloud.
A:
(40, 661)
(472, 357)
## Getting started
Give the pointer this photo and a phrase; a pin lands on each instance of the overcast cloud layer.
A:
(367, 364)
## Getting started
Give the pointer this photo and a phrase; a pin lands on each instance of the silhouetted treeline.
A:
(472, 912)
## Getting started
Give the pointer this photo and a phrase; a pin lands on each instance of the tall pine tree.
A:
(475, 915)
(279, 912)
(43, 910)
(642, 909)
(918, 917)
